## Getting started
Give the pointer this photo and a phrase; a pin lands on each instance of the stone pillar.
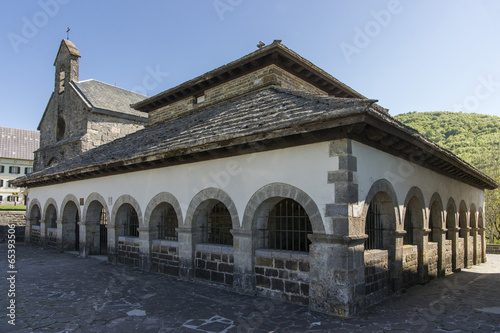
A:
(27, 230)
(454, 232)
(43, 233)
(337, 276)
(186, 252)
(475, 239)
(397, 260)
(243, 276)
(465, 232)
(423, 263)
(112, 243)
(84, 244)
(483, 244)
(59, 242)
(441, 232)
(145, 248)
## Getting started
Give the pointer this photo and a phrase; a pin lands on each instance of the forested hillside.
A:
(473, 137)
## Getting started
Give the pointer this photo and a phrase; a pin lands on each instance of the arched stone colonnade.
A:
(278, 246)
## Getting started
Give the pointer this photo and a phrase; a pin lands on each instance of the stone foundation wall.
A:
(448, 256)
(377, 276)
(283, 275)
(214, 263)
(493, 248)
(17, 218)
(165, 257)
(460, 253)
(432, 256)
(52, 237)
(410, 265)
(128, 251)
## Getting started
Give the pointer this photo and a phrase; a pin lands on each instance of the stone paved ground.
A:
(59, 292)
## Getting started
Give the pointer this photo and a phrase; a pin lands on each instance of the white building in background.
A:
(16, 159)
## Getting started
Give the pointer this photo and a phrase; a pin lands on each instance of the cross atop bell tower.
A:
(66, 64)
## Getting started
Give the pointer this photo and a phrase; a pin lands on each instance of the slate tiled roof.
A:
(105, 97)
(18, 143)
(262, 111)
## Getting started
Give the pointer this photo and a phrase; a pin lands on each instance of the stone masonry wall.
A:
(102, 129)
(165, 257)
(432, 259)
(493, 248)
(377, 276)
(448, 257)
(214, 263)
(283, 275)
(13, 217)
(410, 265)
(271, 74)
(128, 251)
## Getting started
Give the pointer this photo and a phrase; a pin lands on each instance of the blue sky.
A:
(410, 55)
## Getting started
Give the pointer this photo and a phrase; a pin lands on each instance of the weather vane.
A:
(67, 31)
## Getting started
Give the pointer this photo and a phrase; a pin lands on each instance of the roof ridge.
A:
(110, 85)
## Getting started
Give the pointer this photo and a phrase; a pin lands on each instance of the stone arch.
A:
(205, 199)
(436, 214)
(163, 200)
(94, 196)
(125, 199)
(34, 213)
(267, 196)
(70, 216)
(414, 211)
(451, 215)
(384, 186)
(95, 233)
(49, 202)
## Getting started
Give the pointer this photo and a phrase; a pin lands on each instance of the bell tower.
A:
(66, 65)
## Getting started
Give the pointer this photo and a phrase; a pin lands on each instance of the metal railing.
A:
(167, 224)
(374, 228)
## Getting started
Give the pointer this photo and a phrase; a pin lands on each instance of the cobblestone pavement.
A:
(59, 292)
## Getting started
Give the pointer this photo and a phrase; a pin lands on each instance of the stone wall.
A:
(264, 77)
(128, 251)
(448, 256)
(103, 129)
(410, 265)
(432, 259)
(214, 263)
(283, 275)
(13, 217)
(377, 276)
(493, 248)
(165, 257)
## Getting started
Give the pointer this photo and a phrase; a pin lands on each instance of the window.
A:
(15, 170)
(199, 99)
(132, 224)
(1, 182)
(2, 169)
(60, 129)
(28, 171)
(218, 226)
(374, 228)
(10, 184)
(1, 197)
(167, 224)
(288, 227)
(12, 198)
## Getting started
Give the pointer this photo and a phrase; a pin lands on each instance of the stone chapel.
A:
(266, 175)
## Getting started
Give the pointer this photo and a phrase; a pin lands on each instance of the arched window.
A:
(288, 227)
(35, 215)
(374, 228)
(51, 217)
(218, 226)
(61, 128)
(167, 223)
(132, 223)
